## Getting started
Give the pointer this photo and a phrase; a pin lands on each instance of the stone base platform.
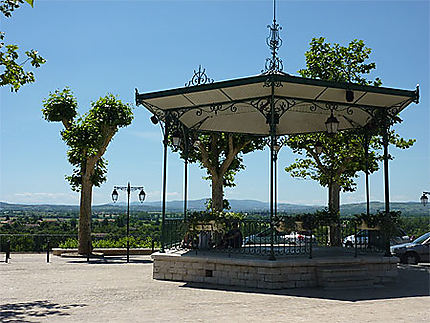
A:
(292, 272)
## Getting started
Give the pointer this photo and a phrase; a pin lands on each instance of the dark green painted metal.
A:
(258, 234)
(277, 78)
(163, 219)
(385, 142)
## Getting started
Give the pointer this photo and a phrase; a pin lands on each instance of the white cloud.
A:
(44, 197)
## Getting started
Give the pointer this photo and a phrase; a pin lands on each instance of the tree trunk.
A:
(334, 208)
(85, 217)
(217, 193)
(334, 197)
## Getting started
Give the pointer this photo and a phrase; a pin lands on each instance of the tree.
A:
(88, 137)
(221, 154)
(13, 73)
(343, 155)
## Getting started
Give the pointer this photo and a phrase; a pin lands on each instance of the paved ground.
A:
(71, 290)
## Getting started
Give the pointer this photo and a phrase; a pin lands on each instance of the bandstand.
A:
(271, 105)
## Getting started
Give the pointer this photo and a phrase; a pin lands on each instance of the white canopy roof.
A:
(302, 105)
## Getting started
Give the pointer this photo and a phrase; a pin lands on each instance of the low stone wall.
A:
(266, 274)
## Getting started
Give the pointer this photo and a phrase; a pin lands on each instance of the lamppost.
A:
(424, 199)
(142, 196)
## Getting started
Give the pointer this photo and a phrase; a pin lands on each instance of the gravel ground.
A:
(71, 290)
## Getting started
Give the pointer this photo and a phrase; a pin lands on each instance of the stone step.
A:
(343, 284)
(340, 272)
(342, 268)
(344, 277)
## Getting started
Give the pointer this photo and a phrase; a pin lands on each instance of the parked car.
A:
(375, 240)
(301, 236)
(415, 251)
(263, 237)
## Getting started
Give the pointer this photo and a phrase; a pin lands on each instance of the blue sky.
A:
(99, 47)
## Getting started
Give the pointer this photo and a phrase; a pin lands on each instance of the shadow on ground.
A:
(412, 282)
(111, 260)
(23, 312)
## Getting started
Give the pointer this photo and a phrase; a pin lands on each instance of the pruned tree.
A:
(12, 69)
(88, 137)
(221, 154)
(343, 154)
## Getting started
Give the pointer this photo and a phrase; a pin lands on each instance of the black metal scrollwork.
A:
(274, 64)
(281, 105)
(331, 107)
(395, 109)
(199, 78)
(215, 108)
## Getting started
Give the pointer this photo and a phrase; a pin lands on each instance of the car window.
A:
(422, 238)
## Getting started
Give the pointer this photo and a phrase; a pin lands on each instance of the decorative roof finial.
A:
(199, 78)
(274, 41)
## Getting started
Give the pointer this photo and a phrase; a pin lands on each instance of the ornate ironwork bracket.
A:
(281, 105)
(331, 107)
(215, 108)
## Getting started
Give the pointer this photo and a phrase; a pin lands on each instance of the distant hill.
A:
(407, 208)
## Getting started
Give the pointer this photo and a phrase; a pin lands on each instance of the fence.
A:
(45, 242)
(258, 237)
(32, 242)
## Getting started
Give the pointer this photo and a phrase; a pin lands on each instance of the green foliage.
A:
(415, 226)
(30, 233)
(311, 221)
(59, 106)
(343, 155)
(195, 218)
(387, 222)
(342, 158)
(134, 242)
(89, 135)
(221, 154)
(208, 204)
(8, 6)
(333, 62)
(214, 149)
(12, 71)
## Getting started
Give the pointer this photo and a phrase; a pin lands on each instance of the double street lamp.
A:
(128, 189)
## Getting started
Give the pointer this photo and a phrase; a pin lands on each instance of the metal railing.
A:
(44, 243)
(255, 237)
(27, 242)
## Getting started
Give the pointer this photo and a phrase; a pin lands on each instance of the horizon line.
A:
(170, 201)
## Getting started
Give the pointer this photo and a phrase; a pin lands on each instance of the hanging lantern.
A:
(114, 195)
(176, 139)
(142, 195)
(332, 124)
